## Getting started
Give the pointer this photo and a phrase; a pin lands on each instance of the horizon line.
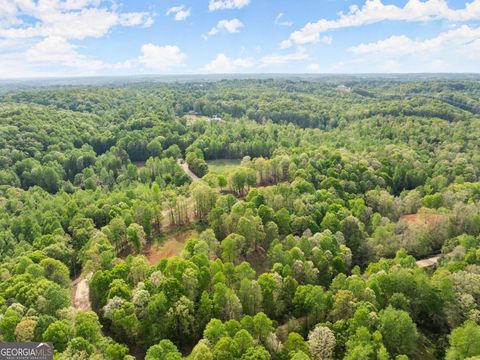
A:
(257, 74)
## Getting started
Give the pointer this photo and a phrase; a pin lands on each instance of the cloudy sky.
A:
(122, 37)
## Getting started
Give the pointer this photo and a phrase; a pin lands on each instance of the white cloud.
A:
(79, 4)
(464, 41)
(161, 58)
(231, 26)
(57, 50)
(44, 45)
(223, 64)
(13, 65)
(181, 13)
(59, 54)
(227, 4)
(13, 45)
(276, 59)
(278, 21)
(313, 67)
(374, 11)
(396, 44)
(136, 19)
(54, 52)
(74, 19)
(323, 39)
(326, 39)
(8, 13)
(455, 50)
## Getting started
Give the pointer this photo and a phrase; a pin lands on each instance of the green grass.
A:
(223, 166)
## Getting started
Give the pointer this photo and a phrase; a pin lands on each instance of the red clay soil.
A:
(171, 247)
(421, 218)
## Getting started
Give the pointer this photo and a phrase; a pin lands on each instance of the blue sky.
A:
(124, 37)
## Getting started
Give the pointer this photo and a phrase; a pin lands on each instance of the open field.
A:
(223, 166)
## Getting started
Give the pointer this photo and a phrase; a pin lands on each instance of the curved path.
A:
(183, 164)
(80, 289)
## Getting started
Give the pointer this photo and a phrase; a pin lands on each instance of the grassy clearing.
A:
(223, 166)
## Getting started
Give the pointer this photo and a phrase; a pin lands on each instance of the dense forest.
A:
(251, 219)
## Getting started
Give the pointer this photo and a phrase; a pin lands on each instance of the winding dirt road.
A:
(80, 289)
(183, 164)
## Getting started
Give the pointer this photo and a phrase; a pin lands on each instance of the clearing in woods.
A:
(81, 293)
(421, 218)
(222, 166)
(154, 252)
(173, 246)
(193, 118)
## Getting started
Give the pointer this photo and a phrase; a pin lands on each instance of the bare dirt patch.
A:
(421, 219)
(81, 293)
(173, 246)
(425, 263)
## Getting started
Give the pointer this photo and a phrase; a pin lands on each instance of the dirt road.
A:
(432, 261)
(81, 293)
(183, 164)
